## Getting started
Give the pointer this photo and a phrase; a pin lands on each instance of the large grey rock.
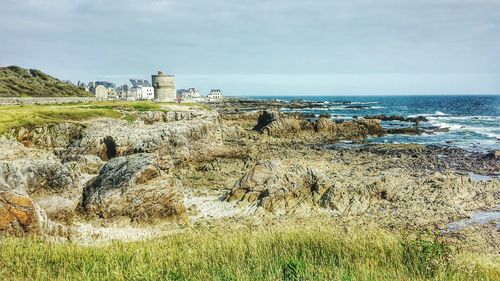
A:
(125, 186)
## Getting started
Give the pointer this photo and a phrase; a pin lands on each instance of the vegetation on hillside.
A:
(293, 254)
(19, 82)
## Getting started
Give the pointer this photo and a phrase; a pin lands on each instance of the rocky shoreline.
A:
(241, 161)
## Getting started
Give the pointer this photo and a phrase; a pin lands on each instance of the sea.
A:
(469, 122)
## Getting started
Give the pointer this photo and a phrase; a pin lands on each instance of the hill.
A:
(16, 81)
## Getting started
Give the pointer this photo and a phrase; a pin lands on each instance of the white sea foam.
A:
(488, 131)
(437, 113)
(365, 102)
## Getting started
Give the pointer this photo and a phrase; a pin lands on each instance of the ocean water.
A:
(473, 122)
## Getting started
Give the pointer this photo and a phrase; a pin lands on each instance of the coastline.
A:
(245, 166)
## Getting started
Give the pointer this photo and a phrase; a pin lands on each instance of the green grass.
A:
(294, 254)
(17, 116)
(24, 116)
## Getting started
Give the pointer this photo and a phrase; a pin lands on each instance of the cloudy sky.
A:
(263, 47)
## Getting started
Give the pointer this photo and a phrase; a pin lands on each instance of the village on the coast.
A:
(161, 88)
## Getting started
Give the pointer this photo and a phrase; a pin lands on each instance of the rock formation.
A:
(124, 188)
(277, 124)
(276, 190)
(40, 175)
(19, 215)
(292, 188)
(50, 136)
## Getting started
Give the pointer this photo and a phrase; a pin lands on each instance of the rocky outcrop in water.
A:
(277, 124)
(397, 118)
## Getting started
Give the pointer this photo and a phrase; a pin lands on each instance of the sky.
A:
(273, 47)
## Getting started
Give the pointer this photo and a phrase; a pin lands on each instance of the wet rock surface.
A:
(425, 158)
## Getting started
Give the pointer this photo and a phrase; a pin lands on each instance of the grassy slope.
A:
(304, 254)
(30, 115)
(19, 82)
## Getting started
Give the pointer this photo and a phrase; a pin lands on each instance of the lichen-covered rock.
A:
(49, 136)
(40, 175)
(89, 164)
(124, 187)
(269, 185)
(19, 215)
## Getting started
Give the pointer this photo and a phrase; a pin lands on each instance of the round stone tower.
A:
(164, 87)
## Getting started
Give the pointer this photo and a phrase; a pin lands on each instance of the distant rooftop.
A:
(140, 83)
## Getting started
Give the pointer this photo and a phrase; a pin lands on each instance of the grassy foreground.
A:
(295, 254)
(17, 116)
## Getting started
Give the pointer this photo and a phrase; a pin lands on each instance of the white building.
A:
(101, 92)
(190, 94)
(215, 94)
(141, 93)
(141, 90)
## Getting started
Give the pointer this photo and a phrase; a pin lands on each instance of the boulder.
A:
(131, 186)
(19, 215)
(53, 176)
(274, 123)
